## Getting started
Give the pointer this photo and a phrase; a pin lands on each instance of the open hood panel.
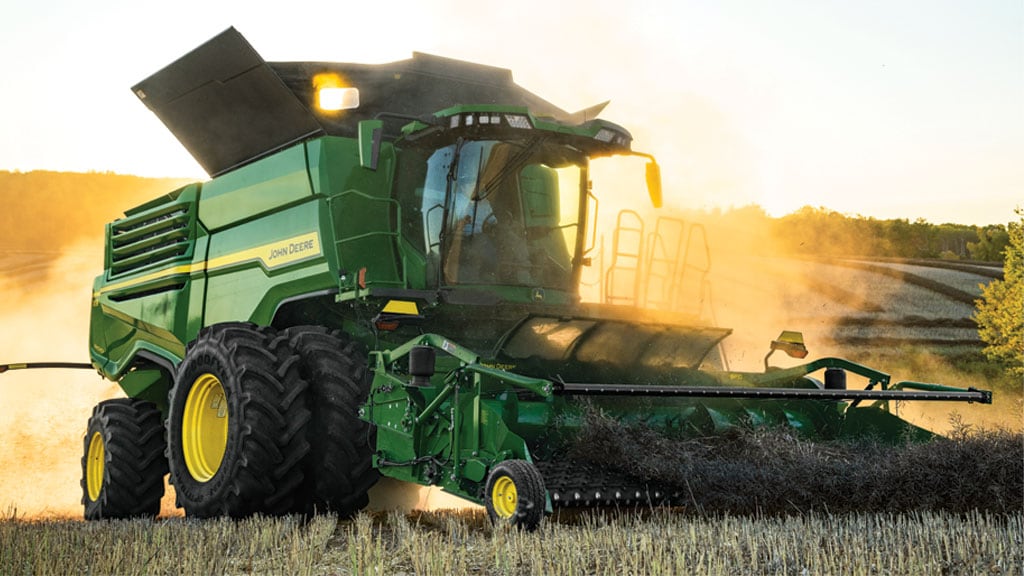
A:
(228, 106)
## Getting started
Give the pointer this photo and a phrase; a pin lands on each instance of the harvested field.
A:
(857, 331)
(844, 308)
(940, 281)
(981, 268)
(966, 278)
(445, 543)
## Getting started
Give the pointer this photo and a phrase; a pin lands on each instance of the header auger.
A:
(383, 277)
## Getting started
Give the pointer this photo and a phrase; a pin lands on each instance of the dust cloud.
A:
(43, 413)
(734, 270)
(724, 270)
(51, 248)
(390, 494)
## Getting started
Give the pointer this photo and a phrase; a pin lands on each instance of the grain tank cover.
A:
(228, 106)
(225, 105)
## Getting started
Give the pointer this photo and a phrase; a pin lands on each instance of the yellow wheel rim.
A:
(94, 463)
(504, 497)
(204, 427)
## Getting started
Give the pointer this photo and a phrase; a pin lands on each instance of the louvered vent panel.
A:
(149, 239)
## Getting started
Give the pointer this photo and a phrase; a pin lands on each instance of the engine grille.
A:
(151, 238)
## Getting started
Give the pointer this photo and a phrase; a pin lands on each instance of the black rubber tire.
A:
(133, 465)
(528, 509)
(266, 438)
(339, 469)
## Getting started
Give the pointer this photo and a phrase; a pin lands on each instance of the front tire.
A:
(515, 495)
(237, 424)
(339, 469)
(123, 465)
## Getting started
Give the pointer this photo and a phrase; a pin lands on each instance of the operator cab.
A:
(502, 212)
(493, 197)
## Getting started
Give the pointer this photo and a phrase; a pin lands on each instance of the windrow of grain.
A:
(961, 279)
(774, 471)
(464, 543)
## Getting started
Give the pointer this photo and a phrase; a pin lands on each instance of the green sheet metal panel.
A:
(145, 299)
(253, 267)
(366, 221)
(256, 189)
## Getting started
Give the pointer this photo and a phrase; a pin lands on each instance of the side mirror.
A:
(371, 132)
(790, 342)
(654, 183)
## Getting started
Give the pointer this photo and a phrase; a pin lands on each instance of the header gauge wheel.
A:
(515, 495)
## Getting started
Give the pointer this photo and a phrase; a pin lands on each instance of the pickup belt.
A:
(574, 484)
(576, 389)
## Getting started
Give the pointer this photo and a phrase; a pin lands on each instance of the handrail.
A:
(396, 234)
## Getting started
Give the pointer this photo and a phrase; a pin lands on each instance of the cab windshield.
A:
(503, 212)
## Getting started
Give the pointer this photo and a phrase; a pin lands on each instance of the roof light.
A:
(338, 98)
(518, 121)
(333, 95)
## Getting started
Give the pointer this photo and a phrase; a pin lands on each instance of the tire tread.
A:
(134, 464)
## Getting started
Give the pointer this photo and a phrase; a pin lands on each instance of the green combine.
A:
(382, 277)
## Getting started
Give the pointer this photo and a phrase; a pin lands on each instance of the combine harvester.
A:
(382, 277)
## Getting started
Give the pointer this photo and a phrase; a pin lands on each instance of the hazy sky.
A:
(909, 109)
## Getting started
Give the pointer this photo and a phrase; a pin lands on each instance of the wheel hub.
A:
(204, 427)
(504, 497)
(94, 466)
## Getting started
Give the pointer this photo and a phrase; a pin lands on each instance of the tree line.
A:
(45, 211)
(1000, 314)
(817, 231)
(845, 235)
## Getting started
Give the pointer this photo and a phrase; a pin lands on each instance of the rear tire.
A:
(123, 465)
(238, 419)
(515, 495)
(339, 469)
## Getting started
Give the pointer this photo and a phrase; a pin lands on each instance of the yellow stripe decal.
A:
(401, 307)
(272, 255)
(173, 271)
